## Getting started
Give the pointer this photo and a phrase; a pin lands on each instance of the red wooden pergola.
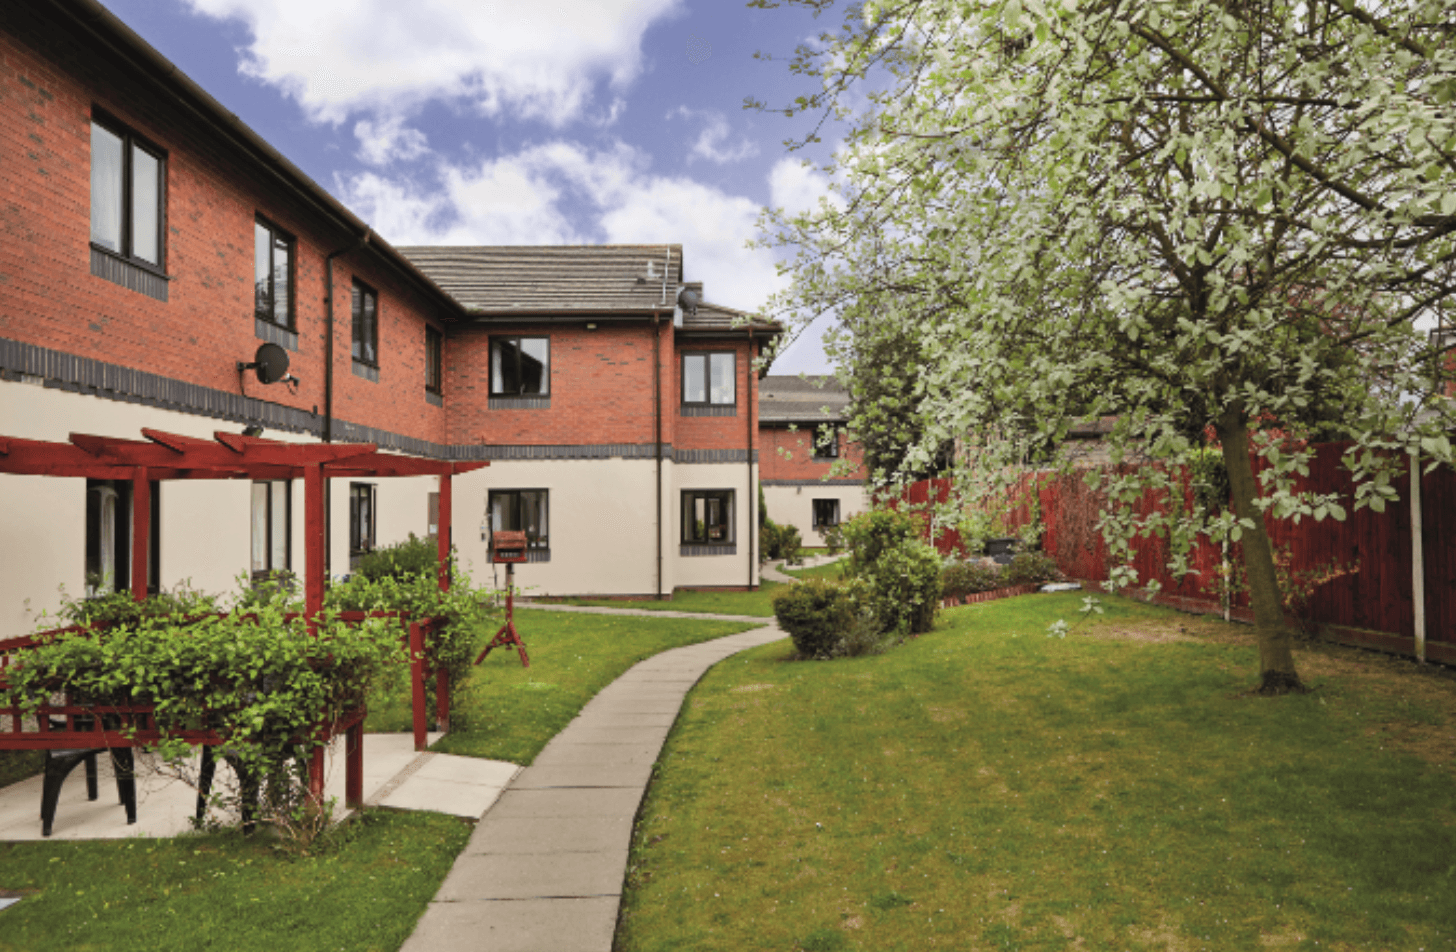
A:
(169, 456)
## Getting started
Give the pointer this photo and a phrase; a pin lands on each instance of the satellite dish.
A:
(270, 363)
(688, 300)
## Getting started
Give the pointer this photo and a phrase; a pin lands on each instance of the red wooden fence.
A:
(1373, 608)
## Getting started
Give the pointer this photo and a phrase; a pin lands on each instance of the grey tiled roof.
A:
(808, 399)
(537, 279)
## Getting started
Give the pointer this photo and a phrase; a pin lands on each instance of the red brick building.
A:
(813, 476)
(151, 243)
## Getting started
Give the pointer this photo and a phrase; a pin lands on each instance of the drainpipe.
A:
(748, 403)
(328, 433)
(657, 424)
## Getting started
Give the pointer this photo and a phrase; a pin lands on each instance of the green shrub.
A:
(414, 556)
(816, 613)
(1028, 568)
(960, 579)
(780, 542)
(120, 608)
(899, 570)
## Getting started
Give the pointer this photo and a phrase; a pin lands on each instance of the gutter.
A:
(111, 32)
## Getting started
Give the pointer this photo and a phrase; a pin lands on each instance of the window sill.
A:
(434, 399)
(532, 555)
(721, 548)
(366, 371)
(539, 402)
(273, 334)
(696, 410)
(131, 275)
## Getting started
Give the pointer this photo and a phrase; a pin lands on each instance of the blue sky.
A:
(503, 122)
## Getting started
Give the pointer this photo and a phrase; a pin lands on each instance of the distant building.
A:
(802, 421)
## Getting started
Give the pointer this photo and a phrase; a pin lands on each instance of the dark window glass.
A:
(826, 512)
(127, 195)
(707, 516)
(434, 352)
(826, 444)
(361, 520)
(108, 536)
(522, 510)
(366, 324)
(272, 275)
(271, 525)
(708, 379)
(520, 366)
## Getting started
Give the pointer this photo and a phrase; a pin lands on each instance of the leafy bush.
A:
(816, 613)
(119, 607)
(960, 579)
(901, 572)
(279, 588)
(862, 636)
(780, 542)
(414, 556)
(1027, 568)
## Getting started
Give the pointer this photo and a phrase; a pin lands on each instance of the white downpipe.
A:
(1418, 561)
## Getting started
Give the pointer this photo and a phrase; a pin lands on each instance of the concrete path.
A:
(543, 871)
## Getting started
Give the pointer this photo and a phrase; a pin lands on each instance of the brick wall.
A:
(49, 84)
(790, 454)
(715, 432)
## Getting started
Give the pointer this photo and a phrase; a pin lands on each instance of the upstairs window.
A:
(707, 379)
(520, 366)
(434, 352)
(707, 517)
(366, 324)
(826, 444)
(272, 275)
(128, 195)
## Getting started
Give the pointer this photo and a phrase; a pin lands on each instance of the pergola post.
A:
(314, 542)
(141, 527)
(443, 535)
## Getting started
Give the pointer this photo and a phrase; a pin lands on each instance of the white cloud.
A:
(528, 59)
(796, 187)
(564, 193)
(711, 143)
(386, 140)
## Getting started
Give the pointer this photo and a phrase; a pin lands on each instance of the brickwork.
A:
(715, 432)
(49, 85)
(789, 454)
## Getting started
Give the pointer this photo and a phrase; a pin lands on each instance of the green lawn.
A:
(507, 712)
(226, 893)
(684, 600)
(834, 571)
(987, 787)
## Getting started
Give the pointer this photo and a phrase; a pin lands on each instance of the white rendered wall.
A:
(692, 571)
(794, 506)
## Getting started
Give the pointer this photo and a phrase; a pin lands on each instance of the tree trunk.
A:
(1277, 674)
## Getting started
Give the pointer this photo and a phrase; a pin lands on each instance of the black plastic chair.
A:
(60, 763)
(248, 787)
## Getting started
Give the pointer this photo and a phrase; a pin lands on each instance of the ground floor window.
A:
(362, 509)
(272, 526)
(707, 517)
(826, 513)
(109, 534)
(523, 510)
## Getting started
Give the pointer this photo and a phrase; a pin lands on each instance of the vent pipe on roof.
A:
(666, 267)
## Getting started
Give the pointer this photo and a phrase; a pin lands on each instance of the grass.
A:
(833, 571)
(687, 600)
(227, 893)
(507, 712)
(986, 787)
(16, 765)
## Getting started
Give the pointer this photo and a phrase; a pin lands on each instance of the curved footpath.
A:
(543, 871)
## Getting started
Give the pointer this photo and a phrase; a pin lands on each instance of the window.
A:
(826, 513)
(707, 517)
(272, 526)
(523, 510)
(707, 379)
(361, 521)
(128, 195)
(520, 366)
(366, 324)
(434, 351)
(826, 444)
(272, 275)
(108, 536)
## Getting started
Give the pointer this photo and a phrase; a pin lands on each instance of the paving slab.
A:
(611, 802)
(534, 876)
(537, 777)
(551, 835)
(587, 733)
(564, 754)
(517, 925)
